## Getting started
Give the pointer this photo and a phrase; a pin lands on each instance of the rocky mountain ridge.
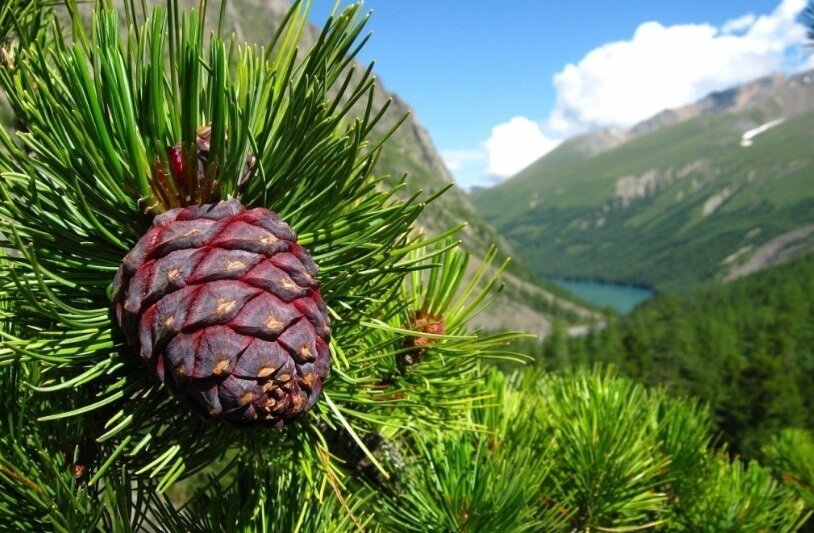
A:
(783, 96)
(703, 193)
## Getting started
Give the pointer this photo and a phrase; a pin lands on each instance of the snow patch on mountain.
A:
(749, 136)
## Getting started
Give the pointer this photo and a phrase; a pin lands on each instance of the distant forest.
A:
(745, 348)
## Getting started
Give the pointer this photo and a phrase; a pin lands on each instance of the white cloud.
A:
(661, 67)
(739, 24)
(514, 145)
(455, 160)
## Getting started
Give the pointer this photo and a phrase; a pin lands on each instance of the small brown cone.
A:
(416, 347)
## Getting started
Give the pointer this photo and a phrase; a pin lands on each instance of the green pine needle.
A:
(99, 116)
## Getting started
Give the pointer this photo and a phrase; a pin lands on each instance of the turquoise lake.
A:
(622, 298)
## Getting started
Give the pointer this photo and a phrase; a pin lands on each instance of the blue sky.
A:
(499, 83)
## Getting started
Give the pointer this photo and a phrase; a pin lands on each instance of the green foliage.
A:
(605, 433)
(262, 497)
(582, 451)
(791, 455)
(20, 19)
(489, 479)
(740, 497)
(684, 431)
(628, 458)
(458, 482)
(37, 482)
(745, 348)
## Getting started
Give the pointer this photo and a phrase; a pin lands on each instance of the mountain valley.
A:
(706, 193)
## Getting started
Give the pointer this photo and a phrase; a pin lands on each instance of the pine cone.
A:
(222, 304)
(417, 346)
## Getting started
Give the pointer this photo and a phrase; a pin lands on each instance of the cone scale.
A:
(222, 305)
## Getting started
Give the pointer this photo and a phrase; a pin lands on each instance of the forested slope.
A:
(746, 348)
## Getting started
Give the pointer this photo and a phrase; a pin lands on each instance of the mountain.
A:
(708, 192)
